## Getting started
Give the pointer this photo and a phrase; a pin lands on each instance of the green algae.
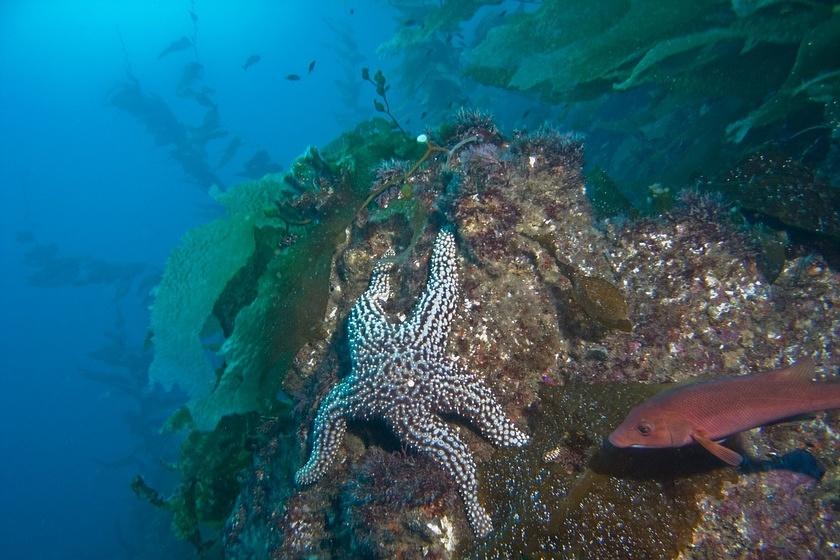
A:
(293, 288)
(196, 274)
(210, 464)
(599, 299)
(262, 290)
(266, 296)
(597, 502)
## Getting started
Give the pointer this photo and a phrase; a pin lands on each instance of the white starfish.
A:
(401, 373)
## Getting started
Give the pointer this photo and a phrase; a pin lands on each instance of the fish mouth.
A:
(615, 440)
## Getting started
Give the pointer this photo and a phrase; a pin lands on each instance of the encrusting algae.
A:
(599, 299)
(565, 352)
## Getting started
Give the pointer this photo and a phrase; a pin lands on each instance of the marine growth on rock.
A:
(402, 374)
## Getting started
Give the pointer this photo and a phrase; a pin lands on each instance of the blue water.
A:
(85, 176)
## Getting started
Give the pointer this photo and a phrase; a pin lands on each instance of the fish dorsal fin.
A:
(723, 453)
(801, 370)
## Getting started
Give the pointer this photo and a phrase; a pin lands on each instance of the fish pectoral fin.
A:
(723, 453)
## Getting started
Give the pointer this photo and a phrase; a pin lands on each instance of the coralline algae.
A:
(699, 306)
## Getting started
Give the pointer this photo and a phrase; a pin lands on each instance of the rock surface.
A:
(699, 307)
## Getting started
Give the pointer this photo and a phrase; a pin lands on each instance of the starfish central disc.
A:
(402, 374)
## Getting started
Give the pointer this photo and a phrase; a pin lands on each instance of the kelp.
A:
(445, 17)
(568, 495)
(239, 297)
(261, 290)
(814, 78)
(209, 466)
(575, 50)
(668, 91)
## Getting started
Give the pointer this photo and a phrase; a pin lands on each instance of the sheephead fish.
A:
(709, 411)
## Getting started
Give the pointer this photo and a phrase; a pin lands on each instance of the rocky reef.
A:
(569, 314)
(570, 321)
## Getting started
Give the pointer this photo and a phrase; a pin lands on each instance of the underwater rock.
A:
(598, 503)
(699, 307)
(598, 298)
(776, 186)
(773, 245)
(410, 498)
(401, 374)
(773, 514)
(265, 506)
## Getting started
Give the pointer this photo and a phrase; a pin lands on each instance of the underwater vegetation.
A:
(381, 86)
(192, 146)
(240, 276)
(187, 144)
(634, 75)
(570, 320)
(674, 257)
(236, 300)
(48, 267)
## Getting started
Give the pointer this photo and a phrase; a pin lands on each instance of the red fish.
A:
(710, 411)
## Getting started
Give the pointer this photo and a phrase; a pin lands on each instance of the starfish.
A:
(402, 374)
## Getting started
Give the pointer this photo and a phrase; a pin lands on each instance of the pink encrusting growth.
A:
(709, 411)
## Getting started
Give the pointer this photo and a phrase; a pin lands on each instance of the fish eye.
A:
(644, 428)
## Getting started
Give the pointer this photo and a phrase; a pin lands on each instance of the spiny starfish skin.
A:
(401, 373)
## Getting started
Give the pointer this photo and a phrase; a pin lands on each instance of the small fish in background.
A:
(178, 45)
(293, 77)
(709, 411)
(423, 115)
(253, 59)
(311, 67)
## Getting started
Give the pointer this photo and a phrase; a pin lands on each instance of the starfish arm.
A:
(428, 434)
(463, 393)
(368, 320)
(327, 434)
(432, 315)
